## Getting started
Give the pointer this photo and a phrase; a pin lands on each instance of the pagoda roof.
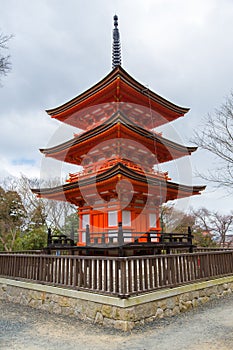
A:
(116, 87)
(118, 126)
(107, 180)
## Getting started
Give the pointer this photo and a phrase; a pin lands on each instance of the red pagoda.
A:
(119, 150)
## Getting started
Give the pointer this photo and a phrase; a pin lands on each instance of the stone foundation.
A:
(113, 312)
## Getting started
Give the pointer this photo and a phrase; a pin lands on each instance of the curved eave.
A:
(91, 138)
(62, 112)
(72, 189)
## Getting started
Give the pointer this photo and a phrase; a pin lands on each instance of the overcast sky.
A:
(181, 49)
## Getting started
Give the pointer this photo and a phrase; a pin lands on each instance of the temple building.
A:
(119, 151)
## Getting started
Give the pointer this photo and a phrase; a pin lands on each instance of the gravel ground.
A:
(207, 327)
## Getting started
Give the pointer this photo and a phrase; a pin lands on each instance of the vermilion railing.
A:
(117, 276)
(105, 165)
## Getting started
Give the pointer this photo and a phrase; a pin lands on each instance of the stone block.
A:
(226, 292)
(35, 303)
(189, 304)
(78, 308)
(195, 302)
(63, 302)
(212, 296)
(99, 318)
(43, 296)
(34, 295)
(154, 307)
(176, 310)
(171, 302)
(182, 307)
(47, 307)
(144, 310)
(149, 319)
(4, 287)
(23, 299)
(3, 294)
(67, 311)
(203, 292)
(168, 313)
(142, 322)
(77, 312)
(162, 304)
(73, 302)
(56, 309)
(55, 298)
(159, 313)
(14, 292)
(123, 325)
(204, 299)
(194, 295)
(220, 289)
(128, 314)
(185, 297)
(107, 311)
(92, 309)
(108, 322)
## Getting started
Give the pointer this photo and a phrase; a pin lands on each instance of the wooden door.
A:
(97, 227)
(141, 225)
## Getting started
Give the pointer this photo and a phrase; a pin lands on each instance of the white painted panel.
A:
(112, 218)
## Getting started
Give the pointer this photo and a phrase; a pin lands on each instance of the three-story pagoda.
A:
(119, 152)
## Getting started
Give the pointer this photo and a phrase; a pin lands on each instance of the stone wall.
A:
(113, 312)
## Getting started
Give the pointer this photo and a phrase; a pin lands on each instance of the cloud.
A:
(181, 49)
(23, 161)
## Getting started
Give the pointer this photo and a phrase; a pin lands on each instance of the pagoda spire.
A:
(116, 46)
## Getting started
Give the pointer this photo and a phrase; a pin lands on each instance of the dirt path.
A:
(209, 327)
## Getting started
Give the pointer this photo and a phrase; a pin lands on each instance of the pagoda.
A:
(119, 152)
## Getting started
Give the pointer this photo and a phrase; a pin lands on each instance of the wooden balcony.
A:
(122, 243)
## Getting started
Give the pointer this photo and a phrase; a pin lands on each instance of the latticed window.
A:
(152, 217)
(85, 220)
(126, 218)
(112, 218)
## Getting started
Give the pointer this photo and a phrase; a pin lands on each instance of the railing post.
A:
(120, 234)
(190, 239)
(88, 235)
(123, 294)
(161, 238)
(49, 238)
(120, 239)
(149, 237)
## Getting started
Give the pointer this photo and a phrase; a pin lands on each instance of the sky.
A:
(180, 49)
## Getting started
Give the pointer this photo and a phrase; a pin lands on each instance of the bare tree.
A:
(217, 138)
(54, 212)
(222, 226)
(215, 224)
(5, 64)
(173, 220)
(207, 226)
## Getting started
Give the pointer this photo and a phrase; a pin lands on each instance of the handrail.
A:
(117, 276)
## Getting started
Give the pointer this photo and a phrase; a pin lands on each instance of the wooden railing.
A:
(122, 237)
(129, 236)
(123, 241)
(117, 276)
